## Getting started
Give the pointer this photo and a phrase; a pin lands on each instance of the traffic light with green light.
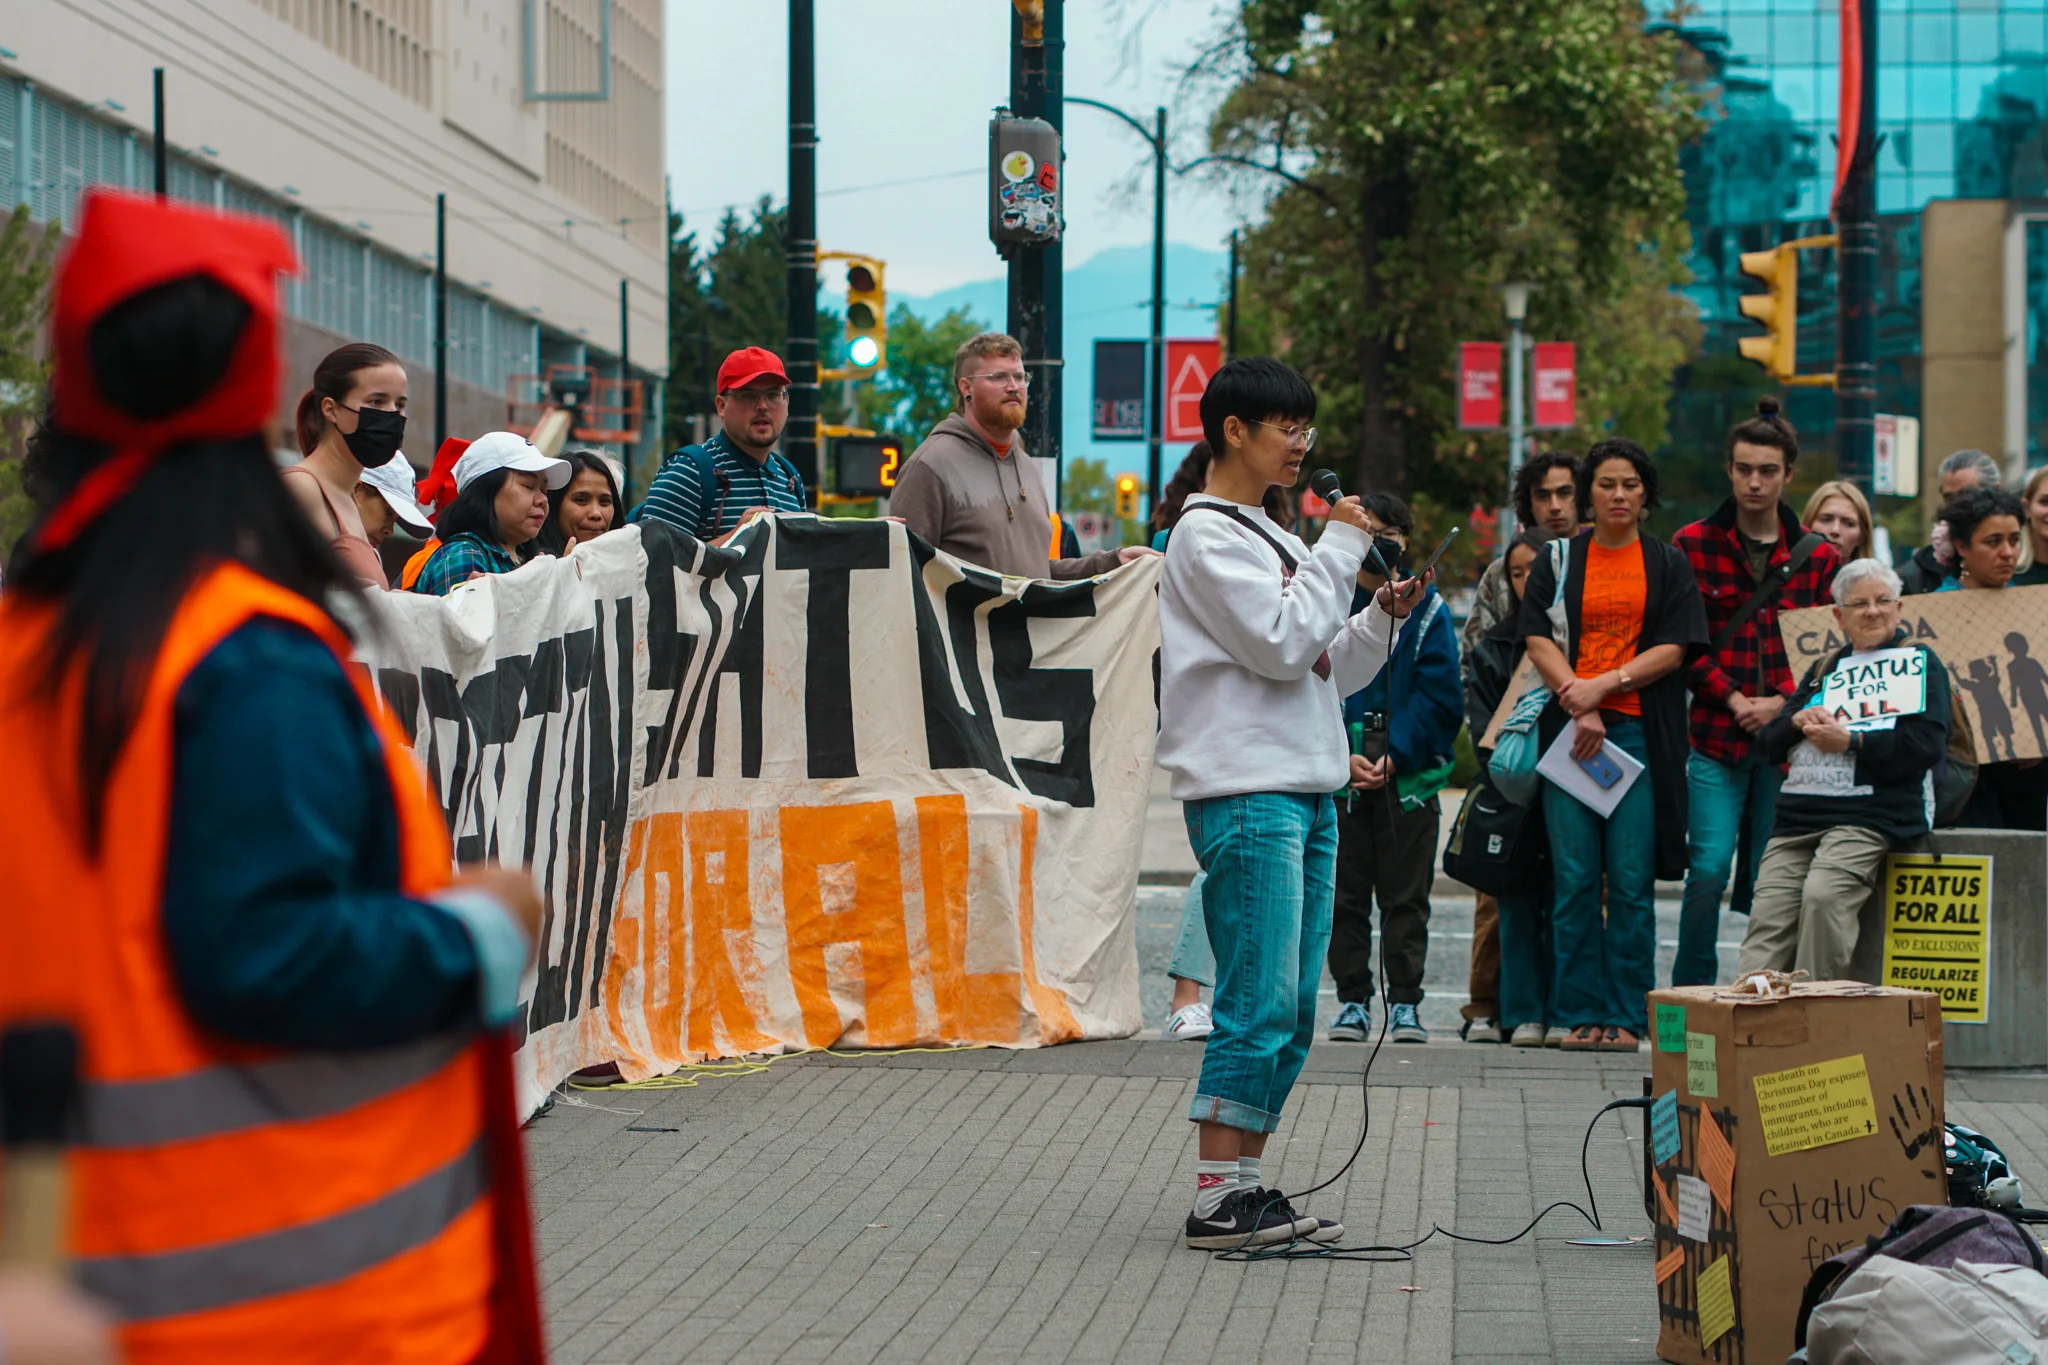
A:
(867, 315)
(1126, 496)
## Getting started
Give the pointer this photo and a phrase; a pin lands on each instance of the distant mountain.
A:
(1108, 297)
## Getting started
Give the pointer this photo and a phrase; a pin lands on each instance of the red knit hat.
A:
(127, 244)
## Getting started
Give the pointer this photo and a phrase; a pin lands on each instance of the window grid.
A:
(70, 150)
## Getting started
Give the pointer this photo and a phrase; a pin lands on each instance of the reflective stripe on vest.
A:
(126, 1115)
(291, 1259)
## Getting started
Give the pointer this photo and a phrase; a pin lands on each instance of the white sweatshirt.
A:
(1240, 707)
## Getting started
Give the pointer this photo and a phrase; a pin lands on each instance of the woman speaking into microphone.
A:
(225, 870)
(1257, 651)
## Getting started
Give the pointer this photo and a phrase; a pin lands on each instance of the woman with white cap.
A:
(501, 502)
(385, 500)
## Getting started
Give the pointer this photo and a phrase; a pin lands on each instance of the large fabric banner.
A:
(822, 785)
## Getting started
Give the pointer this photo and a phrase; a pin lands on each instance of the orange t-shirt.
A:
(1611, 617)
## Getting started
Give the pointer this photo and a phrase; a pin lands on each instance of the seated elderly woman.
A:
(1863, 736)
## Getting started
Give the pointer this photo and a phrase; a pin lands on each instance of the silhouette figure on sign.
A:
(1994, 720)
(2029, 683)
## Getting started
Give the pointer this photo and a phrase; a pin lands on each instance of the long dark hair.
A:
(551, 541)
(117, 586)
(1192, 476)
(475, 512)
(333, 377)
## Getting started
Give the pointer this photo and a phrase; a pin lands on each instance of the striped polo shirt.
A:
(702, 490)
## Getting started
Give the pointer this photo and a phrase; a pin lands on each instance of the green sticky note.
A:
(1702, 1070)
(1670, 1028)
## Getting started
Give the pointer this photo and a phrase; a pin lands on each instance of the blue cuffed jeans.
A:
(1606, 964)
(1721, 797)
(1192, 960)
(1525, 959)
(1271, 865)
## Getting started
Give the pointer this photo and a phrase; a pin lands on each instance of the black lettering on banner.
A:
(829, 551)
(742, 660)
(670, 649)
(1066, 695)
(955, 736)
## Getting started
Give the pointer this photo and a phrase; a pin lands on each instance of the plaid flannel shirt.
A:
(456, 560)
(1753, 661)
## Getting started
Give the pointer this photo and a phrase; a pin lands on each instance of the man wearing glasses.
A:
(708, 491)
(973, 491)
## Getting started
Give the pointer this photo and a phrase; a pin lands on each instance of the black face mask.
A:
(376, 437)
(1392, 552)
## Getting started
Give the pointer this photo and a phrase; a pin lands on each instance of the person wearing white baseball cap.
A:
(384, 497)
(501, 503)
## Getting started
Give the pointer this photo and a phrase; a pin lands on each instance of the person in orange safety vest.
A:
(225, 870)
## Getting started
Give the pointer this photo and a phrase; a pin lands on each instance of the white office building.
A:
(540, 120)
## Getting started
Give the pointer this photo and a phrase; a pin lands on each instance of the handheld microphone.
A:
(1325, 485)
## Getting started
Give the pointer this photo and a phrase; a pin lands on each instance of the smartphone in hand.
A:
(1604, 771)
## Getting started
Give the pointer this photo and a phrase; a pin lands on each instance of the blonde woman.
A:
(1838, 511)
(2034, 531)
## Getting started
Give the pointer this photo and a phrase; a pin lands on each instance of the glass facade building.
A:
(1962, 100)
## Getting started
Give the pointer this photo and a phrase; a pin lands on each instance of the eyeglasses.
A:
(760, 398)
(1009, 379)
(1871, 604)
(1305, 437)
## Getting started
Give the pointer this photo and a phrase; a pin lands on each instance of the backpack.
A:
(1898, 1313)
(1929, 1235)
(709, 475)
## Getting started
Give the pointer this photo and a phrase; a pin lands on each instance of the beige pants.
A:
(1810, 890)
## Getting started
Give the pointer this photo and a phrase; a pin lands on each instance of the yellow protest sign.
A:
(1937, 931)
(1717, 1302)
(1812, 1106)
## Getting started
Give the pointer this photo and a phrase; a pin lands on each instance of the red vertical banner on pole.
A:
(1556, 387)
(1479, 390)
(1188, 367)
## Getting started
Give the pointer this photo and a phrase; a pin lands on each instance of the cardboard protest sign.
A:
(1986, 641)
(822, 785)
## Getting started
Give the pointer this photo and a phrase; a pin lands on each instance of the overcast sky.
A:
(905, 88)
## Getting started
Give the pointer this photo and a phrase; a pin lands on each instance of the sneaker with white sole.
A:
(1190, 1024)
(1527, 1035)
(1555, 1035)
(1405, 1026)
(1480, 1031)
(1353, 1023)
(1246, 1218)
(1326, 1230)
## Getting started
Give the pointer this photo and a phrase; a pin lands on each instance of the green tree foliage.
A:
(1434, 149)
(24, 302)
(1085, 486)
(915, 388)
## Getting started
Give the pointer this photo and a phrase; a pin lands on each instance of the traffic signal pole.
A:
(800, 437)
(1856, 274)
(1037, 273)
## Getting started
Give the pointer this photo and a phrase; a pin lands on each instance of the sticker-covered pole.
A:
(800, 438)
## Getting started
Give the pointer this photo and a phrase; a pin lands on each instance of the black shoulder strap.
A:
(1773, 584)
(1241, 519)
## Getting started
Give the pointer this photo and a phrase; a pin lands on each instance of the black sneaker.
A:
(1244, 1219)
(1325, 1229)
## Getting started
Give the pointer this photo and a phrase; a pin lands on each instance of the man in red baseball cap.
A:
(707, 491)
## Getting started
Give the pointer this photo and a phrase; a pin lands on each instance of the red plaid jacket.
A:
(1753, 662)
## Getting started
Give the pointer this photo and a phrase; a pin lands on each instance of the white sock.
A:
(1248, 1173)
(1213, 1180)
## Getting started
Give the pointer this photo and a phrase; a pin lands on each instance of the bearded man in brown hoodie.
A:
(972, 490)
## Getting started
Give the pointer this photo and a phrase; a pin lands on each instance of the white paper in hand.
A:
(1558, 765)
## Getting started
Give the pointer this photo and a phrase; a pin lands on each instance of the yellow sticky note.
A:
(1717, 1303)
(1812, 1106)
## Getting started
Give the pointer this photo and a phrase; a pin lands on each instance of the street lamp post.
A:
(1515, 296)
(1155, 402)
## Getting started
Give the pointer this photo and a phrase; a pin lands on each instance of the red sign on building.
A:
(1479, 400)
(1556, 387)
(1189, 364)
